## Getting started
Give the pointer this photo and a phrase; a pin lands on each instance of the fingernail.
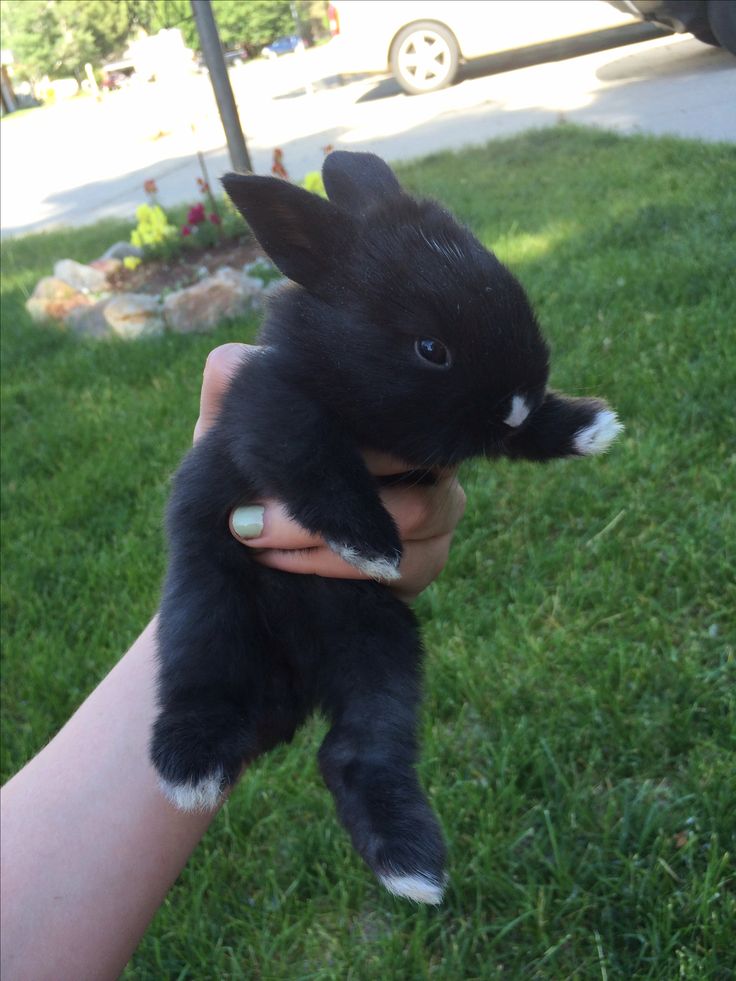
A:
(248, 522)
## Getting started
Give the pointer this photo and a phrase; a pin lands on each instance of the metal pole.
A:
(215, 61)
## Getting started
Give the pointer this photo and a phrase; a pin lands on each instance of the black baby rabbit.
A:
(399, 333)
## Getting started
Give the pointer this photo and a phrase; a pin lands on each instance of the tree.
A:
(166, 14)
(53, 37)
(93, 30)
(240, 23)
(252, 23)
(31, 30)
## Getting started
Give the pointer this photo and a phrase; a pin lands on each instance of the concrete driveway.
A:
(76, 163)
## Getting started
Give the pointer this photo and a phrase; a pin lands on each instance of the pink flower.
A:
(196, 214)
(186, 230)
(215, 219)
(150, 187)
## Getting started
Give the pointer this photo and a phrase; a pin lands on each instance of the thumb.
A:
(221, 365)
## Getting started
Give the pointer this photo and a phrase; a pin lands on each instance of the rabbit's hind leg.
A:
(210, 687)
(368, 757)
(198, 748)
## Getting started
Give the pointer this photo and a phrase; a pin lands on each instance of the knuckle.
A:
(222, 361)
(217, 361)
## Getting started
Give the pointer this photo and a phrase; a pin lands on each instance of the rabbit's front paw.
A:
(598, 435)
(367, 540)
(376, 565)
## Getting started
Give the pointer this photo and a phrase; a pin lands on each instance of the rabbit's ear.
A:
(303, 234)
(357, 181)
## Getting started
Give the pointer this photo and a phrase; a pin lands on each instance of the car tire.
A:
(705, 34)
(722, 20)
(424, 57)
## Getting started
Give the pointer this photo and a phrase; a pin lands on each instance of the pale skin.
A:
(90, 846)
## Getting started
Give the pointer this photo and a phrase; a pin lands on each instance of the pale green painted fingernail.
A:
(248, 522)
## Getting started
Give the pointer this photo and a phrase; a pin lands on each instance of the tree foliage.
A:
(57, 37)
(31, 30)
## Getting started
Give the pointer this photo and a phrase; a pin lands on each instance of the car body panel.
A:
(481, 27)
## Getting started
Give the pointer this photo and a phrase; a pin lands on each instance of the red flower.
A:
(186, 230)
(203, 186)
(277, 166)
(150, 187)
(196, 214)
(215, 219)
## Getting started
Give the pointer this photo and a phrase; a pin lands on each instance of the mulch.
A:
(157, 276)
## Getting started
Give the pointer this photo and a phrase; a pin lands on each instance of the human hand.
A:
(426, 516)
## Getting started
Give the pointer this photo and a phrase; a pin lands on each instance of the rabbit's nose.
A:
(519, 411)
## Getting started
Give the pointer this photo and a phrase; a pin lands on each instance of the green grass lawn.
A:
(579, 735)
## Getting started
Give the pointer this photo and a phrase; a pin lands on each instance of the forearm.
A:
(90, 846)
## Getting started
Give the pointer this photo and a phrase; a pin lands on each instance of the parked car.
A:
(238, 56)
(712, 21)
(423, 42)
(282, 45)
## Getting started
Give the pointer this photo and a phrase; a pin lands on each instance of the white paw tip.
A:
(204, 795)
(384, 570)
(417, 887)
(598, 436)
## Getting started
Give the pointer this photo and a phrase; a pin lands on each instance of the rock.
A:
(52, 299)
(120, 250)
(51, 288)
(205, 304)
(260, 301)
(226, 274)
(132, 315)
(266, 279)
(270, 289)
(108, 267)
(80, 277)
(251, 283)
(89, 321)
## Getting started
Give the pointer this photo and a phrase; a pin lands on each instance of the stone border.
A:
(78, 298)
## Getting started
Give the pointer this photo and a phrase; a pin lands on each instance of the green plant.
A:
(313, 182)
(153, 233)
(264, 270)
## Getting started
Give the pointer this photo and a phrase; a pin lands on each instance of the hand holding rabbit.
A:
(426, 515)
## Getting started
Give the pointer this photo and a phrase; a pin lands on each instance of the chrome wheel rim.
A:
(425, 59)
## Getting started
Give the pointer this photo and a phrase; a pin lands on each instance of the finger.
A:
(421, 563)
(420, 513)
(221, 365)
(268, 525)
(425, 512)
(386, 465)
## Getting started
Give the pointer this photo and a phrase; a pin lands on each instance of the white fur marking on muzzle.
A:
(519, 411)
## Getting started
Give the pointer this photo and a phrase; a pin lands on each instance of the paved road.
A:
(82, 161)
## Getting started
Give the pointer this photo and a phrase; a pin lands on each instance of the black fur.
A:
(246, 652)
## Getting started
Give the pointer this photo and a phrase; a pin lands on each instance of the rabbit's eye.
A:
(433, 351)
